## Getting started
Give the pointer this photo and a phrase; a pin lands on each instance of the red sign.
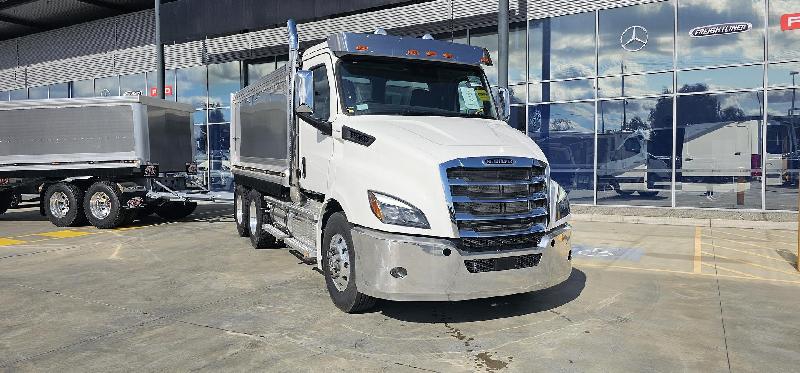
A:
(790, 22)
(167, 91)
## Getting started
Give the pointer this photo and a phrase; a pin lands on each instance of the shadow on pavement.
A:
(489, 308)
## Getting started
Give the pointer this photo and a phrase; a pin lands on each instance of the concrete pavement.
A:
(191, 295)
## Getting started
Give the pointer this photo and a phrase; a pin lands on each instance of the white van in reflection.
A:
(625, 165)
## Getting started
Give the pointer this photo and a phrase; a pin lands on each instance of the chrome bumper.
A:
(434, 276)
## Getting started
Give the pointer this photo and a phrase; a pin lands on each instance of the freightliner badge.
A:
(721, 29)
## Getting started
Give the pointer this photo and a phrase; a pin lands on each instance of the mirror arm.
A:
(323, 126)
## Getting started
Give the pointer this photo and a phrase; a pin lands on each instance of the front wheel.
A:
(338, 265)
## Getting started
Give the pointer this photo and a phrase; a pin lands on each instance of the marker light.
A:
(430, 53)
(412, 52)
(447, 55)
(362, 47)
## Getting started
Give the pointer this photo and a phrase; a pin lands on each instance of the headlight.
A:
(392, 210)
(560, 202)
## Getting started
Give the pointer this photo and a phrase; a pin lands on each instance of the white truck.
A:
(103, 160)
(384, 159)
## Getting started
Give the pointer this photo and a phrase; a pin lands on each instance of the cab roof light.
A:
(362, 47)
(447, 55)
(430, 53)
(412, 52)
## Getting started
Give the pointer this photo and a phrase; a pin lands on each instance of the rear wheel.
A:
(63, 205)
(241, 211)
(103, 205)
(175, 210)
(259, 239)
(338, 265)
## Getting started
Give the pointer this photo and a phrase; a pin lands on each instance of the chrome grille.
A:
(496, 207)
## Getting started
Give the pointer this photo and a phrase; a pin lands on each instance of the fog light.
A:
(398, 272)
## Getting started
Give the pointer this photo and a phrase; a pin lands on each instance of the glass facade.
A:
(644, 106)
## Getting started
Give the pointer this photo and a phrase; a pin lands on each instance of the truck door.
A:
(315, 141)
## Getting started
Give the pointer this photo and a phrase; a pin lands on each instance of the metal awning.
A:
(24, 17)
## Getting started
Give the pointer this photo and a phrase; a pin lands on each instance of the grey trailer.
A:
(102, 160)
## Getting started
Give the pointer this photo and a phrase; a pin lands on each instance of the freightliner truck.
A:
(385, 160)
(102, 160)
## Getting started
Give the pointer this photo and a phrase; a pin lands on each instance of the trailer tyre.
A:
(241, 212)
(63, 205)
(103, 205)
(175, 210)
(259, 239)
(338, 265)
(6, 201)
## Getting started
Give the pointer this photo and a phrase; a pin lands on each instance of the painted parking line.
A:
(669, 271)
(719, 267)
(748, 252)
(9, 242)
(698, 250)
(752, 264)
(67, 233)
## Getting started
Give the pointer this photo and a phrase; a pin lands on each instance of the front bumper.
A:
(433, 276)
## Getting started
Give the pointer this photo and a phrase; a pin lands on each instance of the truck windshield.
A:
(371, 86)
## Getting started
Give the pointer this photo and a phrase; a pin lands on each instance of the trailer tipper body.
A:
(102, 160)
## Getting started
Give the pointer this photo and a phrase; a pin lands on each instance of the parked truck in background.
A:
(386, 161)
(99, 160)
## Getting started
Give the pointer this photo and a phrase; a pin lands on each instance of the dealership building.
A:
(679, 103)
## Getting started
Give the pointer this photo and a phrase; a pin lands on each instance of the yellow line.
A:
(794, 273)
(731, 270)
(698, 249)
(687, 273)
(748, 253)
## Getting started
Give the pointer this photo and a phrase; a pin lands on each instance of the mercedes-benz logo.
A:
(634, 38)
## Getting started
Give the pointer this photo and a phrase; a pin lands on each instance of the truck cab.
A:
(401, 178)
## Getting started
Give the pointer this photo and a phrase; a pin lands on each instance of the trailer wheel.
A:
(103, 205)
(259, 239)
(241, 211)
(338, 265)
(63, 205)
(175, 210)
(6, 201)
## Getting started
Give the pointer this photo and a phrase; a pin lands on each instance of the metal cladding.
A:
(404, 47)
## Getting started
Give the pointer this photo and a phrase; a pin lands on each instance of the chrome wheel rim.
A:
(59, 204)
(100, 205)
(339, 262)
(253, 218)
(239, 209)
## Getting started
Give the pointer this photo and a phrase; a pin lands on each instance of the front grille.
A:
(501, 242)
(498, 208)
(502, 264)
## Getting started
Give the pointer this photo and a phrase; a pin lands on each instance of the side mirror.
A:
(304, 92)
(504, 96)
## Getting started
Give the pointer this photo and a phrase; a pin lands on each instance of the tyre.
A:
(241, 212)
(103, 205)
(175, 210)
(338, 265)
(259, 239)
(63, 205)
(648, 194)
(6, 201)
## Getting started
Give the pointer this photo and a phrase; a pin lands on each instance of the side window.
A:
(322, 93)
